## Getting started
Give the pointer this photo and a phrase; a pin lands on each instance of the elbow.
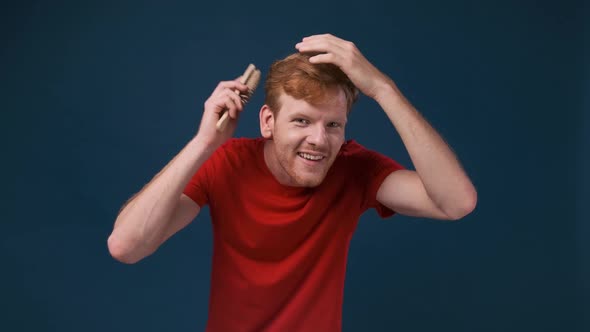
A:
(464, 206)
(120, 250)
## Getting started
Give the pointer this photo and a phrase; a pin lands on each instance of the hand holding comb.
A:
(250, 78)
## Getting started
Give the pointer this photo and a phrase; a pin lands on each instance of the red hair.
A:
(300, 79)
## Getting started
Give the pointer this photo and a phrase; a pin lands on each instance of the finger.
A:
(230, 107)
(236, 85)
(232, 85)
(323, 58)
(319, 45)
(223, 102)
(226, 106)
(237, 100)
(236, 104)
(326, 36)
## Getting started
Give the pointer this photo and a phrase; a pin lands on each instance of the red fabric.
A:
(279, 253)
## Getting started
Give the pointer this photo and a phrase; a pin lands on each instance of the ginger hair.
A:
(300, 79)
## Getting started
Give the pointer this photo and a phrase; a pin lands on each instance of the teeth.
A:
(310, 157)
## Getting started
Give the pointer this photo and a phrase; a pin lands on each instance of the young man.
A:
(284, 206)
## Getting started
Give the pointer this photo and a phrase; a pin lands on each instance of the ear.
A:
(267, 122)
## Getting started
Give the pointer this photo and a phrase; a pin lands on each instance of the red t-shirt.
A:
(279, 252)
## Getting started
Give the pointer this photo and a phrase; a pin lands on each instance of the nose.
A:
(317, 136)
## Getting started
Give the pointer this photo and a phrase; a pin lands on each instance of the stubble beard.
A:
(297, 179)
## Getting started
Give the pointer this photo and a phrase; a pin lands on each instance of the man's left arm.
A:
(439, 188)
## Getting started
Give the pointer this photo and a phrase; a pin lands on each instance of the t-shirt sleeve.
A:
(375, 168)
(200, 186)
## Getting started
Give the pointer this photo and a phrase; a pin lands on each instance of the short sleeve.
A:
(373, 187)
(373, 168)
(200, 186)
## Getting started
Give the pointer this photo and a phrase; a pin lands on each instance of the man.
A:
(284, 206)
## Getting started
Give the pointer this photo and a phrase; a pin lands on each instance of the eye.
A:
(334, 125)
(301, 121)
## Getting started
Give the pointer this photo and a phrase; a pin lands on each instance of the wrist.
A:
(389, 95)
(387, 91)
(203, 145)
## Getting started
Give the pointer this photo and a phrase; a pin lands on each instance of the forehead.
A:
(333, 103)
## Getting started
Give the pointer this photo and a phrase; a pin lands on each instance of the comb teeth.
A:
(251, 83)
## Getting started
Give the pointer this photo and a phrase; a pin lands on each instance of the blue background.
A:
(97, 97)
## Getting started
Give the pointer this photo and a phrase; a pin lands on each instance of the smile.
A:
(308, 156)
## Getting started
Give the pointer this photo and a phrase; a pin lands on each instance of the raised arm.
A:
(160, 209)
(439, 188)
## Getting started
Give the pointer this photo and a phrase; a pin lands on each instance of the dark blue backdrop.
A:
(97, 97)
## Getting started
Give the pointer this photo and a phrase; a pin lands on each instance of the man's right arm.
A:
(160, 209)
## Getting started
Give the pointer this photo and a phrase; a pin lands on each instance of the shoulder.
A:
(236, 150)
(352, 150)
(241, 145)
(355, 154)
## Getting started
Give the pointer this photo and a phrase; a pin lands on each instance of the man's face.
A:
(306, 139)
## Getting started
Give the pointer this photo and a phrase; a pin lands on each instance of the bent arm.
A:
(441, 180)
(441, 176)
(159, 209)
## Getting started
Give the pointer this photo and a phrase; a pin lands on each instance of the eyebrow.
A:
(300, 114)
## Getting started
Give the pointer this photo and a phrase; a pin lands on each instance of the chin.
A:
(309, 181)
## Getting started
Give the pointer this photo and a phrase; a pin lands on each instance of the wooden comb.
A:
(250, 78)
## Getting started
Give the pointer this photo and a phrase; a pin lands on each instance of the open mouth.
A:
(310, 157)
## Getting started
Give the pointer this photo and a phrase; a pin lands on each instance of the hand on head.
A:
(327, 48)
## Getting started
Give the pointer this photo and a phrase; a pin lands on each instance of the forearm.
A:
(141, 224)
(439, 169)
